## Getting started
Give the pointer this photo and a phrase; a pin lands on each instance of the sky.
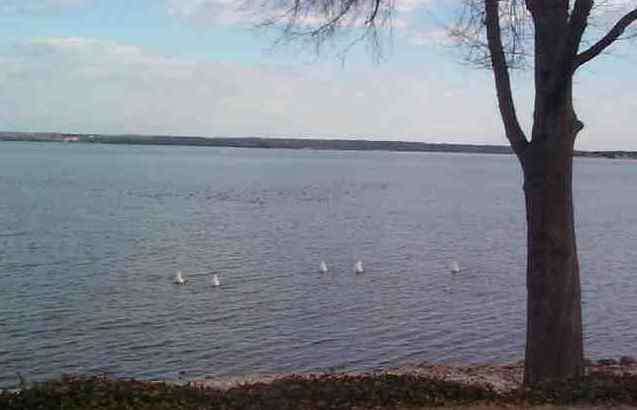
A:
(201, 67)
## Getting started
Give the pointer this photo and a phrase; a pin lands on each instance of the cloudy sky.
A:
(198, 67)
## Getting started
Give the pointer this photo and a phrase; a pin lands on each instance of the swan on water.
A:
(454, 267)
(179, 280)
(215, 280)
(358, 267)
(323, 267)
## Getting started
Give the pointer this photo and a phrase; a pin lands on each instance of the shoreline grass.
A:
(379, 391)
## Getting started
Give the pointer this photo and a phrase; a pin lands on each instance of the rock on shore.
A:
(501, 378)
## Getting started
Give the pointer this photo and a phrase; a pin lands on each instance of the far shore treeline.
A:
(283, 143)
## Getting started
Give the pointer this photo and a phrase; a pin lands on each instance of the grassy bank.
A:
(383, 391)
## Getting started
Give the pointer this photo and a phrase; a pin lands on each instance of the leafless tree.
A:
(555, 38)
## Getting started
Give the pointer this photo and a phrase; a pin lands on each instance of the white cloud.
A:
(89, 85)
(432, 37)
(81, 84)
(211, 12)
(228, 12)
(411, 5)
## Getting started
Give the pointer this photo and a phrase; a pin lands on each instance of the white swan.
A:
(323, 267)
(358, 267)
(454, 267)
(215, 280)
(179, 280)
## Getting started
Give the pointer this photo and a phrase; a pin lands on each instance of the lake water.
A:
(91, 237)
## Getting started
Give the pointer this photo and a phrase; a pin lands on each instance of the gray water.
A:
(92, 235)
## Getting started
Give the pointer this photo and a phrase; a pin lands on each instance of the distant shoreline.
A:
(285, 143)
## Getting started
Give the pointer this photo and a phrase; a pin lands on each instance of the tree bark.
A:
(554, 348)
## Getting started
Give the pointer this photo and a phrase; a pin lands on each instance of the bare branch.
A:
(565, 61)
(374, 13)
(612, 36)
(502, 80)
(320, 21)
(577, 26)
(516, 33)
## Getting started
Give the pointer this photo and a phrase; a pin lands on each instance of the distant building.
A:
(71, 139)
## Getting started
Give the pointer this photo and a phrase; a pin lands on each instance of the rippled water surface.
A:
(92, 235)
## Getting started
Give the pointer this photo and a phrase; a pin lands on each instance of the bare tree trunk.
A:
(554, 347)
